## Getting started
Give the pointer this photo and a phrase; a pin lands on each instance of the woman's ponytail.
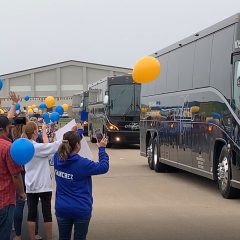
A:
(64, 150)
(69, 143)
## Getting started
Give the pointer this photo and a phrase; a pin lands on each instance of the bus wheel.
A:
(158, 166)
(150, 154)
(224, 175)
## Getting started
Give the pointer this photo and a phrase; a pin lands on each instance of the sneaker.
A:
(37, 237)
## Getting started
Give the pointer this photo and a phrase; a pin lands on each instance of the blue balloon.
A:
(45, 115)
(42, 105)
(26, 98)
(54, 117)
(1, 84)
(22, 151)
(9, 108)
(216, 115)
(46, 118)
(59, 109)
(18, 106)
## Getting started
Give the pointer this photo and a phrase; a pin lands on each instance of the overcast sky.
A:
(113, 32)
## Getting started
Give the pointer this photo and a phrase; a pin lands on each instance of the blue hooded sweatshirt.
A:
(74, 184)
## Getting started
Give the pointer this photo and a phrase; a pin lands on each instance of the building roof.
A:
(63, 64)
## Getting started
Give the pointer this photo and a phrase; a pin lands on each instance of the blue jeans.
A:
(18, 217)
(6, 221)
(65, 228)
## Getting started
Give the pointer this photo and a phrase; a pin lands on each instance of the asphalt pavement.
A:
(131, 202)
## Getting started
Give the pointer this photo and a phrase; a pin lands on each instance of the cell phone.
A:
(40, 120)
(99, 135)
(19, 121)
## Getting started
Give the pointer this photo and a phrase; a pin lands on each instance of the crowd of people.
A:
(33, 181)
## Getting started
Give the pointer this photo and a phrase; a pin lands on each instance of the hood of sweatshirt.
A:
(71, 158)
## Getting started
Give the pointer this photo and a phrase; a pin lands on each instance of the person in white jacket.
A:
(38, 180)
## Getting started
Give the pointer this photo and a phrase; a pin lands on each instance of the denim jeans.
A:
(18, 218)
(6, 221)
(65, 228)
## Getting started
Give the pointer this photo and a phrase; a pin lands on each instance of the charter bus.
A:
(190, 116)
(114, 109)
(80, 109)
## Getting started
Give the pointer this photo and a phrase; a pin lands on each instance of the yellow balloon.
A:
(30, 111)
(146, 70)
(65, 107)
(34, 106)
(1, 111)
(29, 107)
(50, 101)
(195, 109)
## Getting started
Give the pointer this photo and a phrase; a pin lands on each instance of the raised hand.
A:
(14, 97)
(80, 125)
(103, 142)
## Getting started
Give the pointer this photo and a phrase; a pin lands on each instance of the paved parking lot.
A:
(132, 202)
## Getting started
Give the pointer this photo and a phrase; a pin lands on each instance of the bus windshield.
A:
(236, 89)
(124, 99)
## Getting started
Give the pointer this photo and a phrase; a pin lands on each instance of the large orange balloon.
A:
(65, 107)
(50, 101)
(34, 106)
(146, 70)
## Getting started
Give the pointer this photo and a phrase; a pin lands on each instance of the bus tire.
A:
(150, 154)
(158, 166)
(224, 175)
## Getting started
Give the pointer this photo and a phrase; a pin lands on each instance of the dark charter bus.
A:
(80, 109)
(190, 116)
(114, 109)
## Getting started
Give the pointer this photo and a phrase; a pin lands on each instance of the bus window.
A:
(236, 89)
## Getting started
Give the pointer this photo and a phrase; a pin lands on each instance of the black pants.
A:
(33, 199)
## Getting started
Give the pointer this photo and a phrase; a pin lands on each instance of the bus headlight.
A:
(111, 126)
(118, 139)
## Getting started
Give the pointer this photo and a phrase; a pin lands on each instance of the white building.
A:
(61, 80)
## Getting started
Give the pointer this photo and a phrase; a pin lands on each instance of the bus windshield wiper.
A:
(138, 107)
(128, 109)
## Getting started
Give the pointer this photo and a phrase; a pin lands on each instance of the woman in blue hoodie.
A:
(74, 185)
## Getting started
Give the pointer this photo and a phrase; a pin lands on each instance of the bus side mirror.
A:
(106, 100)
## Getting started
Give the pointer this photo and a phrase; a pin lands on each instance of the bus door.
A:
(235, 123)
